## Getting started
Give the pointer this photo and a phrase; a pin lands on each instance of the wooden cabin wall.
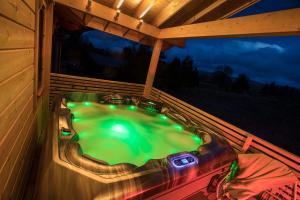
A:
(23, 113)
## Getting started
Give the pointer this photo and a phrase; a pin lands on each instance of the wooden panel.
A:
(13, 61)
(10, 113)
(14, 85)
(18, 11)
(31, 4)
(13, 35)
(169, 11)
(10, 147)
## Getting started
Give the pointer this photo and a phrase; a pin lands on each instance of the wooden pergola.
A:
(27, 84)
(167, 23)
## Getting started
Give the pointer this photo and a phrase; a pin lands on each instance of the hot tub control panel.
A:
(183, 160)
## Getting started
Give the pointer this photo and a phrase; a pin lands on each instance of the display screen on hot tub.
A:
(116, 133)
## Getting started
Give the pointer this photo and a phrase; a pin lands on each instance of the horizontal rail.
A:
(61, 83)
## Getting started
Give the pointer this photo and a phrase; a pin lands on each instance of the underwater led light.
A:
(71, 105)
(87, 103)
(132, 107)
(113, 107)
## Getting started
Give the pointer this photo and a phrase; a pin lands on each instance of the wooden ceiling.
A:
(156, 15)
(179, 12)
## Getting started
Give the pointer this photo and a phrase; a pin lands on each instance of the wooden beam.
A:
(203, 12)
(96, 24)
(86, 19)
(152, 67)
(169, 11)
(143, 8)
(103, 12)
(285, 22)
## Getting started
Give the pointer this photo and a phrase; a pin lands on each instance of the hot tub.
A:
(125, 147)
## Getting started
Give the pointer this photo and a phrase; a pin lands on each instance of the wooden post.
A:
(152, 67)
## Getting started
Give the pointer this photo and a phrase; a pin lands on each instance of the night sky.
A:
(263, 59)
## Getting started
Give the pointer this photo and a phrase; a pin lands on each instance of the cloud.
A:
(262, 59)
(253, 46)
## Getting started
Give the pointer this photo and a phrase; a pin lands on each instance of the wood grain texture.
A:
(13, 36)
(30, 4)
(109, 14)
(13, 141)
(152, 67)
(14, 85)
(284, 22)
(18, 11)
(10, 113)
(14, 156)
(13, 61)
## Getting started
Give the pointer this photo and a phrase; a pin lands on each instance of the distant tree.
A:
(222, 77)
(189, 74)
(136, 63)
(271, 89)
(241, 84)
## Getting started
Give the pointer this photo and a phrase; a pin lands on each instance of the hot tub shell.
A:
(65, 173)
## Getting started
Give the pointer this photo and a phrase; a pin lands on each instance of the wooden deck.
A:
(242, 141)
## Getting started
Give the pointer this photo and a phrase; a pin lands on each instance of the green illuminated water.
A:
(127, 134)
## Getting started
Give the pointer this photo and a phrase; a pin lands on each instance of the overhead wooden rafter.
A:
(169, 11)
(285, 22)
(204, 11)
(109, 15)
(118, 4)
(240, 8)
(110, 28)
(143, 8)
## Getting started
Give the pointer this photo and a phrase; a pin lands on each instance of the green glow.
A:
(112, 107)
(116, 134)
(197, 139)
(87, 103)
(164, 117)
(71, 105)
(150, 109)
(119, 128)
(75, 119)
(178, 127)
(233, 170)
(65, 133)
(132, 107)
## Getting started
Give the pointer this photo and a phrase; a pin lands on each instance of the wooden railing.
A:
(240, 140)
(60, 83)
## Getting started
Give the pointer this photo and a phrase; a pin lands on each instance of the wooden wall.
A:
(19, 104)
